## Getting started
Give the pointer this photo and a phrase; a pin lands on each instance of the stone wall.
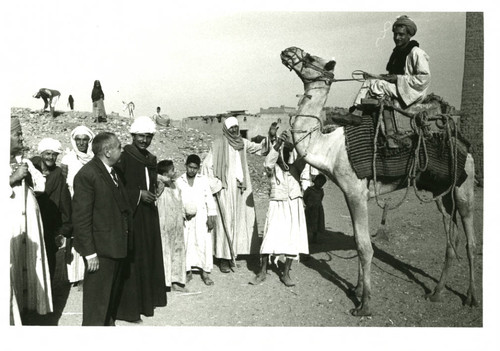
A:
(250, 125)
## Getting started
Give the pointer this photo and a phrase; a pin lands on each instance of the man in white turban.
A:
(144, 286)
(81, 142)
(54, 202)
(226, 165)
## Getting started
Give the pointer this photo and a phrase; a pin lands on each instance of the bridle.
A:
(294, 56)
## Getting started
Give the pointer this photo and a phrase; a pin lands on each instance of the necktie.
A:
(113, 175)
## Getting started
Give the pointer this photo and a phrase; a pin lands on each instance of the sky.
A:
(208, 61)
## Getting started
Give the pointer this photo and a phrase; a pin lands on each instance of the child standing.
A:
(171, 213)
(315, 215)
(200, 215)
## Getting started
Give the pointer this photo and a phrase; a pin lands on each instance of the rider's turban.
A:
(407, 22)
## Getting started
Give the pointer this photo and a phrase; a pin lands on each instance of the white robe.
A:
(197, 199)
(411, 86)
(76, 268)
(30, 277)
(238, 209)
(285, 230)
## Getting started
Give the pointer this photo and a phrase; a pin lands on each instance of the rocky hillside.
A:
(173, 142)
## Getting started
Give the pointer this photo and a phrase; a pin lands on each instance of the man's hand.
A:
(282, 138)
(211, 222)
(147, 197)
(391, 78)
(367, 75)
(92, 264)
(60, 241)
(20, 173)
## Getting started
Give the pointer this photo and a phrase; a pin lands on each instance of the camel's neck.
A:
(311, 104)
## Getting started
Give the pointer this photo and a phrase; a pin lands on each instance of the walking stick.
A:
(229, 241)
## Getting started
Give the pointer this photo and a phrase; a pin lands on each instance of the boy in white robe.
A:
(199, 213)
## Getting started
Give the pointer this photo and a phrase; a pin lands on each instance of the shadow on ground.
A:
(332, 242)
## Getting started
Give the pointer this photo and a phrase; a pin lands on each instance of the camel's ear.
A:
(330, 65)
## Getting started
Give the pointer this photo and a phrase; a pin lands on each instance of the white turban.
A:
(82, 130)
(143, 125)
(231, 122)
(49, 144)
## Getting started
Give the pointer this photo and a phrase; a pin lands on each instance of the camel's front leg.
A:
(357, 203)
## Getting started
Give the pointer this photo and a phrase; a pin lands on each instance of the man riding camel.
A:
(408, 75)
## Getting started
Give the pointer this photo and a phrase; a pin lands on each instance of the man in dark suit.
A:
(101, 221)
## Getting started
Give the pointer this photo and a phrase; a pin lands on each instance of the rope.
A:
(418, 123)
(454, 154)
(386, 207)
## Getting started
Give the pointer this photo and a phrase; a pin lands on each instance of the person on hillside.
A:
(227, 168)
(54, 202)
(199, 213)
(157, 115)
(144, 286)
(81, 143)
(98, 103)
(71, 102)
(49, 97)
(130, 107)
(30, 288)
(285, 230)
(171, 213)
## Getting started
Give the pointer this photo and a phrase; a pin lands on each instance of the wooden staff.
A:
(229, 241)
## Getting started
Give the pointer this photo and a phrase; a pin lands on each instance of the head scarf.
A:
(49, 144)
(193, 159)
(397, 61)
(97, 92)
(221, 152)
(82, 156)
(143, 125)
(15, 125)
(236, 142)
(230, 122)
(407, 22)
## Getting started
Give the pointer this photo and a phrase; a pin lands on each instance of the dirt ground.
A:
(405, 267)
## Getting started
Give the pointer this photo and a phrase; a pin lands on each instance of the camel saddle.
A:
(435, 150)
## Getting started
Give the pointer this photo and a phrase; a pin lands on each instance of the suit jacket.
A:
(101, 215)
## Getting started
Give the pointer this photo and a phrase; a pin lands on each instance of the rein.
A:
(295, 56)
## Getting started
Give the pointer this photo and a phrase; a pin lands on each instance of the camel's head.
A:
(308, 67)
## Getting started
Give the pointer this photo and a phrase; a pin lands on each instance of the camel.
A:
(328, 153)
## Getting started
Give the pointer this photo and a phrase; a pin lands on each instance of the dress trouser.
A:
(101, 293)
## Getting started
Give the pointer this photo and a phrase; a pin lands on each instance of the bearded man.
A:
(227, 168)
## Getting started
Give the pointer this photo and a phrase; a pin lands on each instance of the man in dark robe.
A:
(144, 287)
(54, 202)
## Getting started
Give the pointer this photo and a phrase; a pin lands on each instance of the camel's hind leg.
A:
(464, 202)
(465, 205)
(451, 235)
(356, 198)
